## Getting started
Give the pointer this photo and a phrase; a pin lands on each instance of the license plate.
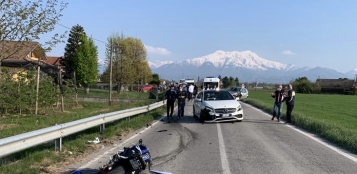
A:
(225, 115)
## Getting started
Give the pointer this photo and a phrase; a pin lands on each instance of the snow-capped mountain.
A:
(157, 63)
(245, 65)
(221, 59)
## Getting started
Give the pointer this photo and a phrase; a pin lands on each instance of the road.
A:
(255, 145)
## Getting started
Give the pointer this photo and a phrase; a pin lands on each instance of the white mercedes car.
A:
(217, 106)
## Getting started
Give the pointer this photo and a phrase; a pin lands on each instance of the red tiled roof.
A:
(54, 61)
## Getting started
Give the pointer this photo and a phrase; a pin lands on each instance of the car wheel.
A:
(239, 120)
(202, 117)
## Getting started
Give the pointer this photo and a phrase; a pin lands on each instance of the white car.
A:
(239, 92)
(217, 106)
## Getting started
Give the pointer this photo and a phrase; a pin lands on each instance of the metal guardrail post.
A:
(102, 127)
(58, 144)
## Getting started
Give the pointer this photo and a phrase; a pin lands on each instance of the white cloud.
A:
(157, 50)
(288, 52)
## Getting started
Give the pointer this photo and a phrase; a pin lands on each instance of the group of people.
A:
(180, 94)
(279, 97)
(208, 87)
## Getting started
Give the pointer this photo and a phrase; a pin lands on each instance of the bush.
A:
(303, 85)
(18, 91)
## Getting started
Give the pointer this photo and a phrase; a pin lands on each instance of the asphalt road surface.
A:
(255, 145)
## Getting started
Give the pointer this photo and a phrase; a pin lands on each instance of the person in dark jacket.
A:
(181, 97)
(278, 96)
(290, 102)
(170, 95)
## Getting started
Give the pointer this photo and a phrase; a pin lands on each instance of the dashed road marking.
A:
(222, 151)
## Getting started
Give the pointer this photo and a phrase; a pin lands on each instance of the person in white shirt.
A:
(190, 91)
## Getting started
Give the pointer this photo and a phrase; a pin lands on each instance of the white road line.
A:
(222, 151)
(313, 137)
(132, 137)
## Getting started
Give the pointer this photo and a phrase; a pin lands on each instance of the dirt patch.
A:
(7, 126)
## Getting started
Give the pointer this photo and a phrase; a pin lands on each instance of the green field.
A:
(105, 93)
(43, 158)
(14, 125)
(333, 117)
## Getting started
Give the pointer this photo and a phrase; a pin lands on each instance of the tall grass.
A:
(333, 117)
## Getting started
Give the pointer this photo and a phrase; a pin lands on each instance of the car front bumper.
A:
(217, 117)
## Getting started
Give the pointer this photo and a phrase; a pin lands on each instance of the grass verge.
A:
(105, 93)
(332, 117)
(41, 159)
(14, 125)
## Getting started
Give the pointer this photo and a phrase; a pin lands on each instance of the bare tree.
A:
(24, 21)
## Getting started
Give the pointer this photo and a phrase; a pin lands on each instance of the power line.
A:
(77, 32)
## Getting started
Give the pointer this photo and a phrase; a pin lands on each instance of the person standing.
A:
(207, 87)
(190, 92)
(278, 95)
(290, 102)
(181, 97)
(170, 95)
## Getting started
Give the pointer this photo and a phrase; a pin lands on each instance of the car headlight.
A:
(239, 108)
(209, 109)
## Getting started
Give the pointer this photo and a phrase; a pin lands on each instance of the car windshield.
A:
(236, 89)
(211, 84)
(217, 95)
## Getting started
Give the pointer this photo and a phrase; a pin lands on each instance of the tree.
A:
(155, 79)
(303, 85)
(225, 81)
(72, 44)
(69, 53)
(134, 50)
(86, 62)
(24, 21)
(236, 80)
(129, 61)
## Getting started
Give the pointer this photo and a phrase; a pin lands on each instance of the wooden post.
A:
(75, 88)
(37, 85)
(61, 87)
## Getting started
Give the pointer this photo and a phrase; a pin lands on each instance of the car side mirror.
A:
(198, 100)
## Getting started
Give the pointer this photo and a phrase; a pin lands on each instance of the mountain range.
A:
(246, 65)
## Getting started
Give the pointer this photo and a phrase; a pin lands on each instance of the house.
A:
(336, 85)
(24, 55)
(56, 61)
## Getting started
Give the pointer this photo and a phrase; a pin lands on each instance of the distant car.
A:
(217, 106)
(147, 87)
(239, 92)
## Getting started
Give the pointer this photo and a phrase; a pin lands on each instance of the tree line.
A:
(129, 62)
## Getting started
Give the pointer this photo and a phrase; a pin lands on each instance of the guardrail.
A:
(23, 141)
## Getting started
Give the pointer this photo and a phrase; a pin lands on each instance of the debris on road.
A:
(96, 141)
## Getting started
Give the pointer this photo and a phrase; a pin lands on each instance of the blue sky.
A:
(305, 33)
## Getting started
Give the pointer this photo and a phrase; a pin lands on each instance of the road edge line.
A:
(314, 137)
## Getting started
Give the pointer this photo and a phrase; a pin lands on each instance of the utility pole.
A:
(111, 73)
(37, 85)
